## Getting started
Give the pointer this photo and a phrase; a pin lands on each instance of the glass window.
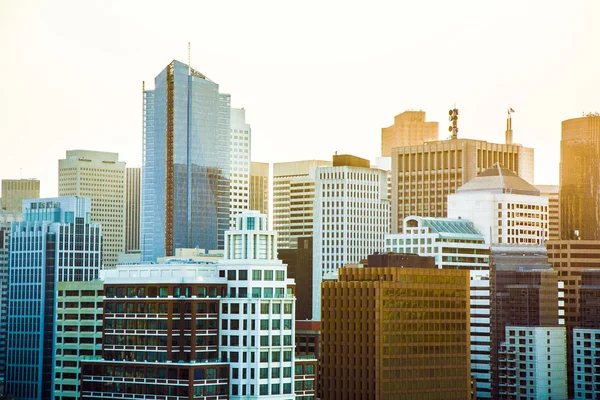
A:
(280, 275)
(243, 275)
(256, 275)
(268, 275)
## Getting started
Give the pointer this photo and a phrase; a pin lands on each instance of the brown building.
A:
(259, 187)
(570, 258)
(409, 129)
(300, 268)
(14, 191)
(590, 299)
(396, 333)
(308, 337)
(580, 178)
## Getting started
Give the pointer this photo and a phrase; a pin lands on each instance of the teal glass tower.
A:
(185, 178)
(54, 243)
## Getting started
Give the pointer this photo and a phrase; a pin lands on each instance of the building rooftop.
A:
(499, 180)
(445, 227)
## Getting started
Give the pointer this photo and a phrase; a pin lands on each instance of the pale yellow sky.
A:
(315, 77)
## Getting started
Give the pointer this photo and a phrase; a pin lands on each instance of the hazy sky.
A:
(315, 77)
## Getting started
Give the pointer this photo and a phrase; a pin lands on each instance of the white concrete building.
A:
(505, 208)
(586, 348)
(533, 363)
(351, 217)
(456, 244)
(239, 183)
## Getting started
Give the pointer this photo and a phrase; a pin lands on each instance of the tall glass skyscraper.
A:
(185, 178)
(54, 243)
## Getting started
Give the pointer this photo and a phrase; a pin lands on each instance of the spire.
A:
(509, 131)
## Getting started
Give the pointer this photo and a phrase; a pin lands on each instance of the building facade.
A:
(580, 178)
(504, 207)
(293, 200)
(423, 176)
(185, 175)
(99, 176)
(409, 129)
(299, 263)
(133, 197)
(391, 332)
(259, 187)
(586, 364)
(54, 243)
(351, 218)
(239, 167)
(14, 191)
(551, 193)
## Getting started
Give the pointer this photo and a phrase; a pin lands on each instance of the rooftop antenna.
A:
(189, 56)
(509, 131)
(453, 118)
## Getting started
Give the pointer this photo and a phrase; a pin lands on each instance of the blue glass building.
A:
(185, 179)
(54, 242)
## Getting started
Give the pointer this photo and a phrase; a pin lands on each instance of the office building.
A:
(533, 363)
(423, 176)
(54, 243)
(239, 164)
(525, 293)
(78, 333)
(99, 176)
(580, 178)
(351, 218)
(456, 244)
(293, 200)
(299, 263)
(551, 193)
(409, 129)
(586, 363)
(132, 209)
(185, 173)
(504, 207)
(396, 332)
(14, 191)
(259, 187)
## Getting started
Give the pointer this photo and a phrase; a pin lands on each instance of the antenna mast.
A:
(189, 56)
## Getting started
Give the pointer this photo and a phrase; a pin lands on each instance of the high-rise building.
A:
(78, 333)
(396, 332)
(132, 209)
(259, 187)
(185, 176)
(586, 363)
(54, 243)
(533, 363)
(580, 178)
(293, 200)
(551, 193)
(14, 191)
(456, 244)
(99, 176)
(300, 268)
(504, 207)
(424, 175)
(239, 186)
(409, 129)
(351, 218)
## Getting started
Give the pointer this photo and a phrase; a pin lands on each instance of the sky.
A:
(315, 77)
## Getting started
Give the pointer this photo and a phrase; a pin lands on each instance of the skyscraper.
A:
(14, 191)
(132, 209)
(185, 188)
(259, 187)
(239, 186)
(99, 176)
(409, 129)
(551, 193)
(580, 178)
(54, 243)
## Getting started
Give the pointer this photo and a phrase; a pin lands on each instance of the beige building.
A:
(293, 200)
(551, 193)
(239, 163)
(424, 175)
(409, 129)
(14, 191)
(99, 176)
(259, 187)
(132, 209)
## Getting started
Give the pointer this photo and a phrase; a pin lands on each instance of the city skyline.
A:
(461, 53)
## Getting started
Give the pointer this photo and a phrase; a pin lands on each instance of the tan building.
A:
(259, 187)
(132, 210)
(293, 200)
(394, 332)
(99, 176)
(409, 129)
(580, 178)
(14, 191)
(424, 175)
(551, 193)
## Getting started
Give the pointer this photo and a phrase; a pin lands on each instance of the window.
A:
(264, 308)
(243, 275)
(264, 356)
(280, 275)
(268, 275)
(231, 275)
(256, 275)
